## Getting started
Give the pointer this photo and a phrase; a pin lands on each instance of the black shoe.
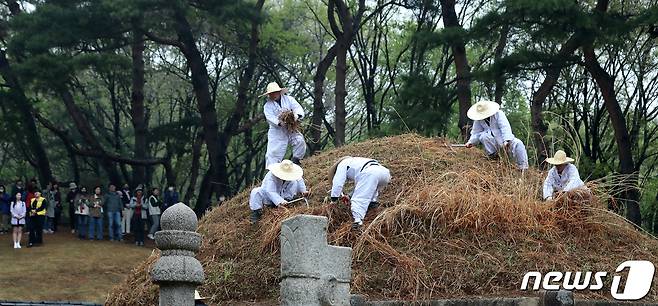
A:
(296, 161)
(493, 156)
(29, 245)
(255, 216)
(373, 205)
(356, 226)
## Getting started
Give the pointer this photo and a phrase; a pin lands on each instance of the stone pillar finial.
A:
(313, 273)
(178, 272)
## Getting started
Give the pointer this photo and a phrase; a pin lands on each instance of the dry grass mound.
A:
(451, 224)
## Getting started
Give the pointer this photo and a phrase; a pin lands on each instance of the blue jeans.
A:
(49, 223)
(155, 224)
(81, 227)
(96, 226)
(114, 225)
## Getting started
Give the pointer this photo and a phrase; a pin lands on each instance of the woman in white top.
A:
(562, 177)
(154, 210)
(18, 213)
(82, 212)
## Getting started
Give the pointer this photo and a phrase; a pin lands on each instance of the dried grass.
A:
(290, 121)
(451, 224)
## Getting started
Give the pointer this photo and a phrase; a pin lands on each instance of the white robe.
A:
(369, 178)
(274, 190)
(567, 181)
(493, 137)
(278, 137)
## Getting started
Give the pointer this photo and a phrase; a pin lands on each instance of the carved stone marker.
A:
(178, 272)
(313, 272)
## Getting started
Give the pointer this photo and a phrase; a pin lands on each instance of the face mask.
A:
(171, 188)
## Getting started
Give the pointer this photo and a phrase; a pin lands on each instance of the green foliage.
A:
(422, 107)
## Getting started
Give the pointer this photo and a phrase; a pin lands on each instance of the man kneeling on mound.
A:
(562, 177)
(369, 178)
(281, 184)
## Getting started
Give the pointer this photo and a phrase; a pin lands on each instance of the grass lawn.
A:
(65, 268)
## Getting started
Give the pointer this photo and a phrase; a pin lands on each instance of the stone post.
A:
(313, 273)
(178, 272)
(557, 298)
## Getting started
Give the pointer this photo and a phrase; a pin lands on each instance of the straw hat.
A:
(273, 87)
(559, 158)
(286, 170)
(198, 297)
(482, 110)
(332, 170)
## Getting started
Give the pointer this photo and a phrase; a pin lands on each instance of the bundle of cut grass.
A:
(289, 121)
(451, 224)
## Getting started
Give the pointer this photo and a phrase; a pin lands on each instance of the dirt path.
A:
(65, 268)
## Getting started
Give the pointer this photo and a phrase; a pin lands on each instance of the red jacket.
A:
(28, 200)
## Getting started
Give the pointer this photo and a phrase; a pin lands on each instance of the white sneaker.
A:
(19, 245)
(150, 236)
(15, 245)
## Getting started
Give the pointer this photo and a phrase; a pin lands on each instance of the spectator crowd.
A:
(96, 214)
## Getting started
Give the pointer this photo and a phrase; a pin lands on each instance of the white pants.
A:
(517, 148)
(125, 220)
(367, 185)
(278, 140)
(256, 200)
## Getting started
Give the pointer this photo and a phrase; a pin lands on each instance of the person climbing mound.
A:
(281, 184)
(562, 177)
(369, 177)
(492, 129)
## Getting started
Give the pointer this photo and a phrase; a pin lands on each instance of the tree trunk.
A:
(539, 97)
(498, 54)
(194, 169)
(204, 101)
(607, 86)
(25, 110)
(205, 193)
(233, 123)
(552, 74)
(344, 38)
(462, 69)
(137, 103)
(85, 129)
(318, 99)
(340, 92)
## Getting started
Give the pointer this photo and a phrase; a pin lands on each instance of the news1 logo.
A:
(638, 282)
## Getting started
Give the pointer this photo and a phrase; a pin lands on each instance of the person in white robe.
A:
(492, 129)
(281, 184)
(562, 177)
(278, 136)
(369, 177)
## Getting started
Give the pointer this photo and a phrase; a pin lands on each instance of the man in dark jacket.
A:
(114, 206)
(70, 199)
(5, 212)
(171, 198)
